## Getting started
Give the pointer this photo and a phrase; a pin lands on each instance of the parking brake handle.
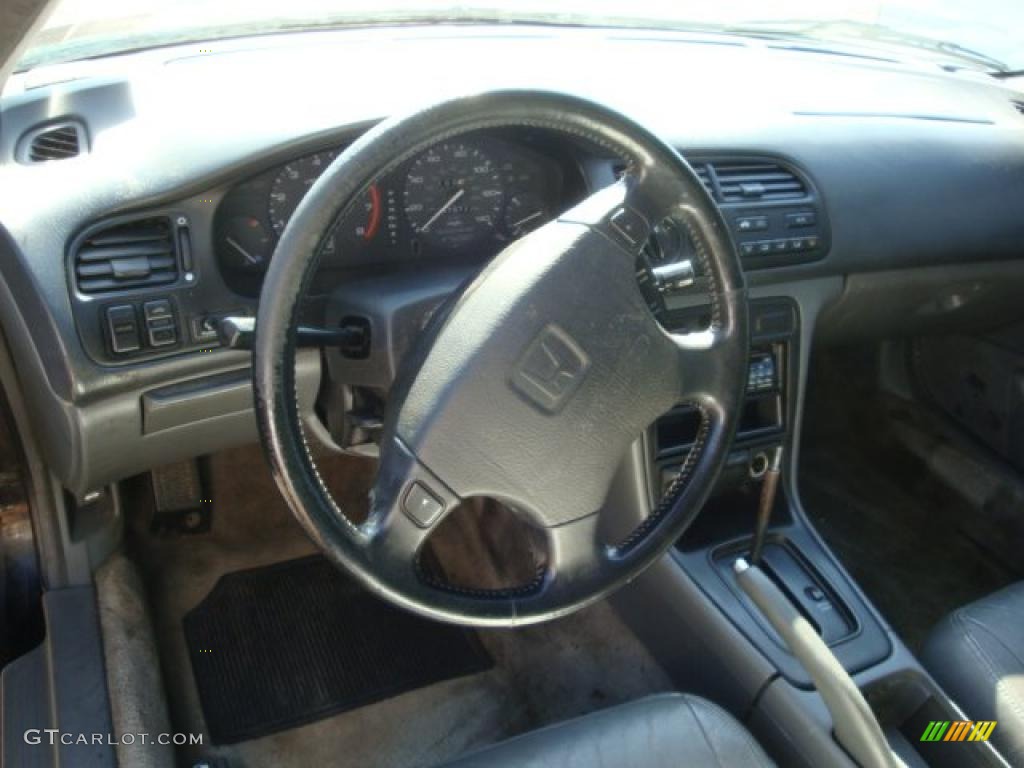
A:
(856, 728)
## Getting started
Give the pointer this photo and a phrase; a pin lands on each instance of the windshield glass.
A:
(987, 34)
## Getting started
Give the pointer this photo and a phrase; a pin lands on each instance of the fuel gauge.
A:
(524, 213)
(246, 245)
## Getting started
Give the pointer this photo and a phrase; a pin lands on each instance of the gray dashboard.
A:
(913, 168)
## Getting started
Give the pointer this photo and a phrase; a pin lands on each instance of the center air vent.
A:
(742, 180)
(134, 254)
(755, 181)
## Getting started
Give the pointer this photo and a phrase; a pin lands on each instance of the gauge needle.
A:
(248, 256)
(451, 201)
(529, 218)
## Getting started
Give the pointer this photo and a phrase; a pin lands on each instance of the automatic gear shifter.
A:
(769, 487)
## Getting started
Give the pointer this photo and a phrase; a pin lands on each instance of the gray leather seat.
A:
(977, 655)
(669, 729)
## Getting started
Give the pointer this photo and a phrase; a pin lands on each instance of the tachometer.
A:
(453, 194)
(292, 183)
(363, 223)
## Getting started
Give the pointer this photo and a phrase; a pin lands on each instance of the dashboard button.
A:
(204, 328)
(421, 505)
(630, 225)
(814, 594)
(155, 310)
(801, 219)
(123, 329)
(748, 248)
(163, 335)
(764, 247)
(752, 223)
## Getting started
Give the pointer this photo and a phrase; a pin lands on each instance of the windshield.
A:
(986, 34)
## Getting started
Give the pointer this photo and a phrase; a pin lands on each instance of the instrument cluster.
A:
(461, 200)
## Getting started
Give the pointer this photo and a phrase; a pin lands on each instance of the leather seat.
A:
(664, 730)
(977, 655)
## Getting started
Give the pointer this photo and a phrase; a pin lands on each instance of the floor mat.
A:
(287, 644)
(894, 525)
(542, 674)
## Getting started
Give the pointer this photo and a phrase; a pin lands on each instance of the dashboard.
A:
(884, 196)
(460, 201)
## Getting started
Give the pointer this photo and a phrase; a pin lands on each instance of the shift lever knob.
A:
(769, 487)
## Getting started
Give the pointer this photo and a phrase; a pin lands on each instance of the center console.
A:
(793, 558)
(691, 611)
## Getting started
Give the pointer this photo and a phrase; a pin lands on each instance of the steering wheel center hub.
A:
(543, 371)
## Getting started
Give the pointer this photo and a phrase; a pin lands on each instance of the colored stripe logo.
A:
(958, 730)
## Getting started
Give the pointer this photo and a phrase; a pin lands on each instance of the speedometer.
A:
(453, 194)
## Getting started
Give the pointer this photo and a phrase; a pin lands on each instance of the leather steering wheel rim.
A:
(474, 378)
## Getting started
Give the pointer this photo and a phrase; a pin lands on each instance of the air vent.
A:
(704, 175)
(135, 254)
(54, 142)
(1018, 105)
(740, 181)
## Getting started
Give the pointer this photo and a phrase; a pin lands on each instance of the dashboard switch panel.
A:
(136, 328)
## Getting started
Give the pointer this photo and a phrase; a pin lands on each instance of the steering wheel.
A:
(531, 384)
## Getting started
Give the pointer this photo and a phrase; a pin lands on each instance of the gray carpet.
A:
(895, 525)
(541, 675)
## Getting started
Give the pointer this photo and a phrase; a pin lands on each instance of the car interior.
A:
(510, 386)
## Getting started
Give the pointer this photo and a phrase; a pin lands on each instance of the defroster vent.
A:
(126, 256)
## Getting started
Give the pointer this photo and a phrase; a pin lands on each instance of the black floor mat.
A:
(892, 522)
(291, 643)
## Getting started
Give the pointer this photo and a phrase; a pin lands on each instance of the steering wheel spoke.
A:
(575, 549)
(700, 363)
(407, 503)
(626, 211)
